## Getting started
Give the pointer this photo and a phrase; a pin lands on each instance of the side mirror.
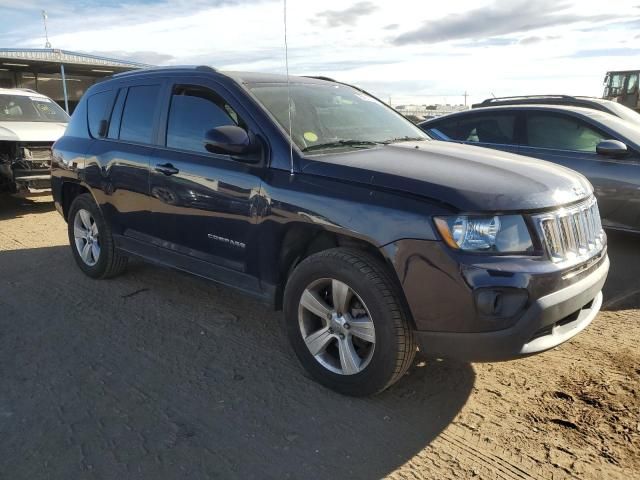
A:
(229, 140)
(611, 148)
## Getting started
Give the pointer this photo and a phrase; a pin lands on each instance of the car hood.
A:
(31, 131)
(471, 179)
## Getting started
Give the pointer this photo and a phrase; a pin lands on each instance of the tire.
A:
(348, 356)
(103, 262)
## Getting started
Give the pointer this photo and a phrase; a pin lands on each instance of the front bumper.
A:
(494, 308)
(37, 179)
(547, 322)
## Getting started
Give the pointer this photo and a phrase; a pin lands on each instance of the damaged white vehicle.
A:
(29, 125)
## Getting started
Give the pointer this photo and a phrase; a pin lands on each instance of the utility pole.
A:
(46, 33)
(465, 98)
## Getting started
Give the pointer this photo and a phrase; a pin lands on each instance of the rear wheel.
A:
(346, 322)
(91, 240)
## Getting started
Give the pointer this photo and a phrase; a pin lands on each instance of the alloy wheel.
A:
(86, 236)
(336, 326)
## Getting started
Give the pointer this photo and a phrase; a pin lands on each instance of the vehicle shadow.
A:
(157, 374)
(16, 206)
(622, 290)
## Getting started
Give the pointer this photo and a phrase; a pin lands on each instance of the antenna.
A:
(46, 33)
(286, 62)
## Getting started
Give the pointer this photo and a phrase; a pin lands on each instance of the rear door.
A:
(204, 204)
(121, 158)
(491, 129)
(571, 141)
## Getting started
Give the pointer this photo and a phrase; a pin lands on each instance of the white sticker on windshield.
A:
(40, 99)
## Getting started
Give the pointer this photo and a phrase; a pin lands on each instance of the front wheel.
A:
(346, 322)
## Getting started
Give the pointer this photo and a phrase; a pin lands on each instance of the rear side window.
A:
(498, 129)
(77, 125)
(139, 114)
(493, 128)
(445, 130)
(194, 111)
(98, 108)
(561, 133)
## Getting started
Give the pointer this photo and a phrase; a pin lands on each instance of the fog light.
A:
(500, 302)
(489, 302)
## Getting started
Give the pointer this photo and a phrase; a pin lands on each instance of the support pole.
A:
(64, 88)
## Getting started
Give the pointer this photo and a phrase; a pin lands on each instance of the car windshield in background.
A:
(334, 116)
(22, 108)
(625, 113)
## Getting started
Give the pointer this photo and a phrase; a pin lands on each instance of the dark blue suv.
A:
(320, 200)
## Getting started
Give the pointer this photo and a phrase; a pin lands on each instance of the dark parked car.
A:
(604, 148)
(371, 237)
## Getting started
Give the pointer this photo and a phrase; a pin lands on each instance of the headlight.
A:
(503, 234)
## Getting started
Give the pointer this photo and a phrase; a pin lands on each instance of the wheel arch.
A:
(69, 192)
(300, 241)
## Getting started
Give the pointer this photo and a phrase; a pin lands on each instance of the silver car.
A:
(601, 146)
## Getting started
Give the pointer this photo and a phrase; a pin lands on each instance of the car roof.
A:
(22, 92)
(578, 101)
(501, 108)
(254, 77)
(542, 98)
(596, 103)
(240, 77)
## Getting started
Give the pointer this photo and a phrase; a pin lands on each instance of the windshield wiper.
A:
(340, 143)
(404, 139)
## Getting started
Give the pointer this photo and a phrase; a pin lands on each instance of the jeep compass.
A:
(324, 202)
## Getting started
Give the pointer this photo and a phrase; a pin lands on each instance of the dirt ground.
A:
(157, 374)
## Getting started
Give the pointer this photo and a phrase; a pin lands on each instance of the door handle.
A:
(167, 169)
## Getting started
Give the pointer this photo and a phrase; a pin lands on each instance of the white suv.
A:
(29, 124)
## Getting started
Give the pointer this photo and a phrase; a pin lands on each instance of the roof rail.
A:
(489, 101)
(30, 90)
(172, 68)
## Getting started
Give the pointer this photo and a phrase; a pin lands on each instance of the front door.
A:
(204, 205)
(571, 142)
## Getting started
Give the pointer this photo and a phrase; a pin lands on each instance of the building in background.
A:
(59, 74)
(419, 113)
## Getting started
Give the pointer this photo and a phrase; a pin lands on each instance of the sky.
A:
(408, 51)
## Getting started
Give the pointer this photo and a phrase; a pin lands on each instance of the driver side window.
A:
(194, 110)
(561, 133)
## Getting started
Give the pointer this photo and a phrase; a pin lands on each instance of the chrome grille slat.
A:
(36, 153)
(571, 232)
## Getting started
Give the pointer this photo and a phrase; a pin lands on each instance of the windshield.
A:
(334, 116)
(625, 131)
(22, 108)
(625, 113)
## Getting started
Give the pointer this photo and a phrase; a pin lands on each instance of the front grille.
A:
(571, 233)
(36, 153)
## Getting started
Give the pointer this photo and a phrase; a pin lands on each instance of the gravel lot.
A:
(157, 374)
